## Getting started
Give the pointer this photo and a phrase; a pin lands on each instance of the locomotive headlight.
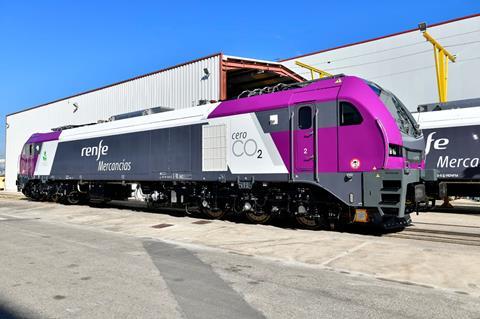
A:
(394, 150)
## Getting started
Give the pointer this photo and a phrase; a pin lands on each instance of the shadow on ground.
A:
(463, 209)
(7, 312)
(283, 221)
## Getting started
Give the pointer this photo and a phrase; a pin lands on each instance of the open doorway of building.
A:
(240, 74)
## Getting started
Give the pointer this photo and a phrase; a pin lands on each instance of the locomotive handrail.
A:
(315, 144)
(385, 140)
(292, 146)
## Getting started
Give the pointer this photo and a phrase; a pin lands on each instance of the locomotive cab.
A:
(400, 188)
(33, 158)
(28, 159)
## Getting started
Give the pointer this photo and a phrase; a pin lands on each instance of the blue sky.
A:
(52, 49)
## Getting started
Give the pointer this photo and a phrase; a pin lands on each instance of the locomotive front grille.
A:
(390, 193)
(389, 199)
(391, 185)
(390, 211)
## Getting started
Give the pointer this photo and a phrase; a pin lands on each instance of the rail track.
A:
(440, 236)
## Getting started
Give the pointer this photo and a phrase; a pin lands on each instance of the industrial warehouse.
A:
(340, 183)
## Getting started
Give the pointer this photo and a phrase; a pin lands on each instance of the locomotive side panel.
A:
(115, 157)
(149, 155)
(175, 153)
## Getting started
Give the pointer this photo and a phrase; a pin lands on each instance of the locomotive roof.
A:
(141, 123)
(458, 104)
(201, 113)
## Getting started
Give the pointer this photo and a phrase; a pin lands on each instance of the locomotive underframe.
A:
(387, 197)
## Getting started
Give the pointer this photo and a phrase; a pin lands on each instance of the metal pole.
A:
(441, 66)
(292, 145)
(446, 78)
(437, 71)
(315, 144)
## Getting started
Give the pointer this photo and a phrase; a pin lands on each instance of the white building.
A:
(404, 62)
(2, 166)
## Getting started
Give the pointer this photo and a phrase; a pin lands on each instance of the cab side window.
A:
(349, 114)
(305, 117)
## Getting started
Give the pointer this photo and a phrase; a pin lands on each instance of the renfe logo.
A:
(439, 144)
(97, 151)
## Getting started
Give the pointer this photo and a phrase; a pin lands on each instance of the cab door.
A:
(32, 159)
(303, 138)
(24, 160)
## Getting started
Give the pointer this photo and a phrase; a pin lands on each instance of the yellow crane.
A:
(442, 56)
(313, 70)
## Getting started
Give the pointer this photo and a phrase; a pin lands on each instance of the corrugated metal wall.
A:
(404, 63)
(178, 87)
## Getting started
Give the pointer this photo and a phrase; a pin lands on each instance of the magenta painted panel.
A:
(396, 162)
(363, 143)
(303, 150)
(327, 149)
(356, 91)
(27, 164)
(23, 165)
(44, 137)
(282, 142)
(32, 164)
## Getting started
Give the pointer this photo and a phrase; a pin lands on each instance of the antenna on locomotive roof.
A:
(153, 110)
(283, 87)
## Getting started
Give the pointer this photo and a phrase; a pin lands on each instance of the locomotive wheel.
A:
(258, 216)
(309, 222)
(73, 198)
(56, 197)
(212, 212)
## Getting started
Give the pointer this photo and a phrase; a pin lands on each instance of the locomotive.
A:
(329, 152)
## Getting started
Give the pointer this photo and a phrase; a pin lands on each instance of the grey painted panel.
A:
(159, 147)
(109, 157)
(338, 184)
(327, 117)
(373, 185)
(179, 151)
(327, 114)
(341, 186)
(283, 120)
(413, 143)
